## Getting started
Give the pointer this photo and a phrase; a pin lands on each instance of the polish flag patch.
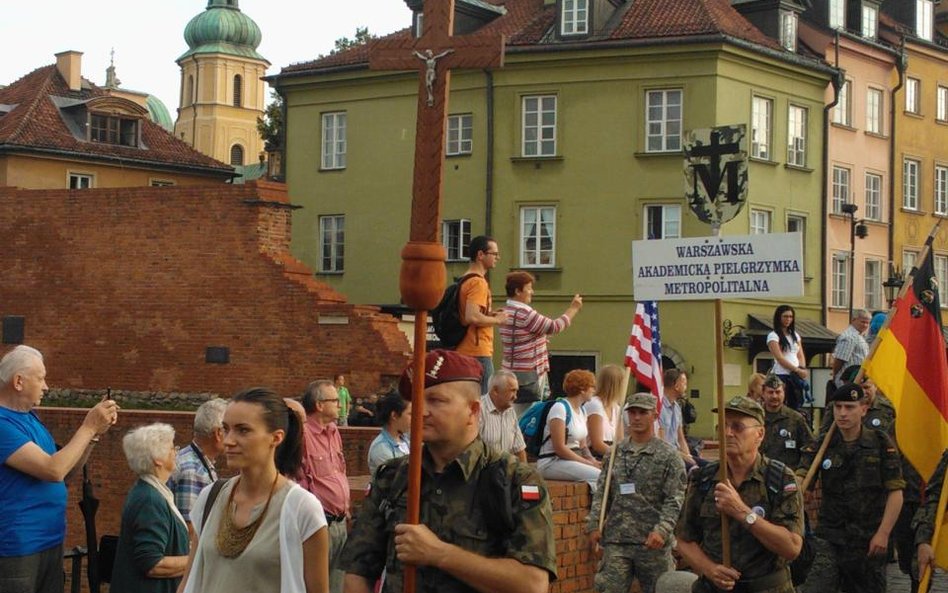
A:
(791, 487)
(529, 492)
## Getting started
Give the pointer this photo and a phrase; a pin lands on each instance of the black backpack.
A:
(446, 317)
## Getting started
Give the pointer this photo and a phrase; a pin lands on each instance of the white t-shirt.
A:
(594, 407)
(576, 430)
(779, 369)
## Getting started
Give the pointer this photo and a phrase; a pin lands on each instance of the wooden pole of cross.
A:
(421, 280)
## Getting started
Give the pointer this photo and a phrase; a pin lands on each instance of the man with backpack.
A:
(486, 519)
(766, 504)
(474, 302)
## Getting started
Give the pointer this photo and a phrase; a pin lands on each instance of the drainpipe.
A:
(284, 137)
(901, 65)
(489, 173)
(837, 81)
(194, 112)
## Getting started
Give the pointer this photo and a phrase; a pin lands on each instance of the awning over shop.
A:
(817, 339)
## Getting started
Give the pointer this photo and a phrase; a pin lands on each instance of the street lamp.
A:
(857, 228)
(892, 285)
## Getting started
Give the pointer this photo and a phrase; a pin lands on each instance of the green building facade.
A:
(583, 135)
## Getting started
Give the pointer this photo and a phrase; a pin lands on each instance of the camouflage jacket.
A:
(786, 434)
(924, 521)
(881, 416)
(463, 505)
(645, 493)
(856, 478)
(701, 523)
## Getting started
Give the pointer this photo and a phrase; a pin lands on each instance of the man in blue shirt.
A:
(32, 474)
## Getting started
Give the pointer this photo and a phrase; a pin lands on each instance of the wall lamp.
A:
(735, 335)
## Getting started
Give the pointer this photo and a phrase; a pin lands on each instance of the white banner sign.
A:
(769, 265)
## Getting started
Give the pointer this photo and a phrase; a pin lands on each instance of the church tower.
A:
(221, 92)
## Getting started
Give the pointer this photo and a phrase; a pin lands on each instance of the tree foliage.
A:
(270, 126)
(362, 36)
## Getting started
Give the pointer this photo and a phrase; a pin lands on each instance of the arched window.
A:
(189, 96)
(238, 83)
(236, 155)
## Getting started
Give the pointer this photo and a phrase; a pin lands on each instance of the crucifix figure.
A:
(422, 277)
(431, 63)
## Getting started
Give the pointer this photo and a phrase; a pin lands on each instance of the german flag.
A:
(909, 365)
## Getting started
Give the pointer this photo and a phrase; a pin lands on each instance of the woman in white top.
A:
(603, 411)
(264, 533)
(787, 347)
(565, 454)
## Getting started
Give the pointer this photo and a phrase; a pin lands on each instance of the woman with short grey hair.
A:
(152, 551)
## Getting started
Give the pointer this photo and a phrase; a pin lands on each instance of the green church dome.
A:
(222, 28)
(159, 113)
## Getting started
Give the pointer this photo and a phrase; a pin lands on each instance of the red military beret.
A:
(442, 366)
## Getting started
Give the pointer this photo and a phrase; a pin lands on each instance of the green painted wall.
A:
(599, 182)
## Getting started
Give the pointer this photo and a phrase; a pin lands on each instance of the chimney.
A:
(69, 64)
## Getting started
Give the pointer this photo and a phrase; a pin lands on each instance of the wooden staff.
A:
(612, 456)
(722, 436)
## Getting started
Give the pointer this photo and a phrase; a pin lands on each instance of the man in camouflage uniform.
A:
(861, 477)
(924, 521)
(486, 519)
(765, 524)
(643, 502)
(786, 430)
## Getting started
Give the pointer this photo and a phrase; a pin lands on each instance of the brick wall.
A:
(112, 479)
(127, 288)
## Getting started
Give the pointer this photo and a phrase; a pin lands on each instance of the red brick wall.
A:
(127, 287)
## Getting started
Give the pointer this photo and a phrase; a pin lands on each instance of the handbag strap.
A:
(211, 499)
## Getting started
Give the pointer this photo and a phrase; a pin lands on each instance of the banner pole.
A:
(722, 437)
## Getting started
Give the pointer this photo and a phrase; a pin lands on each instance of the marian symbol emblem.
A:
(716, 172)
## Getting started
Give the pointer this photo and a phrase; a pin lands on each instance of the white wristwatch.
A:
(750, 518)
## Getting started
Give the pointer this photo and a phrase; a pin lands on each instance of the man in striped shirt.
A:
(524, 335)
(498, 420)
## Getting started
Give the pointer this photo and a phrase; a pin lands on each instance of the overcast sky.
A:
(148, 35)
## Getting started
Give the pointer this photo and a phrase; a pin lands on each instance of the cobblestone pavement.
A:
(899, 583)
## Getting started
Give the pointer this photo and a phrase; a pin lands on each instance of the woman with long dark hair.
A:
(789, 361)
(263, 532)
(394, 413)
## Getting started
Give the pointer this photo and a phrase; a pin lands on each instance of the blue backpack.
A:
(533, 422)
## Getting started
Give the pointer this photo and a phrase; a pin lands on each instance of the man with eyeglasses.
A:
(323, 470)
(194, 464)
(861, 477)
(766, 525)
(475, 304)
(786, 430)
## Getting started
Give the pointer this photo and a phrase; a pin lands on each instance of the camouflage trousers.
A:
(845, 567)
(622, 563)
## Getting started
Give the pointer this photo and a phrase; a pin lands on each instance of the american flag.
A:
(644, 353)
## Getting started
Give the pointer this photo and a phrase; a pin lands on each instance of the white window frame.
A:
(761, 221)
(909, 259)
(334, 140)
(670, 221)
(841, 178)
(913, 91)
(762, 109)
(797, 121)
(460, 136)
(941, 103)
(837, 14)
(870, 21)
(456, 238)
(874, 110)
(662, 127)
(873, 183)
(941, 191)
(839, 286)
(539, 135)
(332, 243)
(940, 264)
(842, 112)
(574, 19)
(788, 30)
(75, 180)
(872, 284)
(924, 19)
(537, 257)
(910, 172)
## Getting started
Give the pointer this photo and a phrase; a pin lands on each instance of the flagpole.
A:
(939, 517)
(612, 453)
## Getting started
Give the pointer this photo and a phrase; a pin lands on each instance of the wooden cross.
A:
(434, 55)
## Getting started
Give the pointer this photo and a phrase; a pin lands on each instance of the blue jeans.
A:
(487, 364)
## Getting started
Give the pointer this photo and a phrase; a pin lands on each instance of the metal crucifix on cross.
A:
(421, 280)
